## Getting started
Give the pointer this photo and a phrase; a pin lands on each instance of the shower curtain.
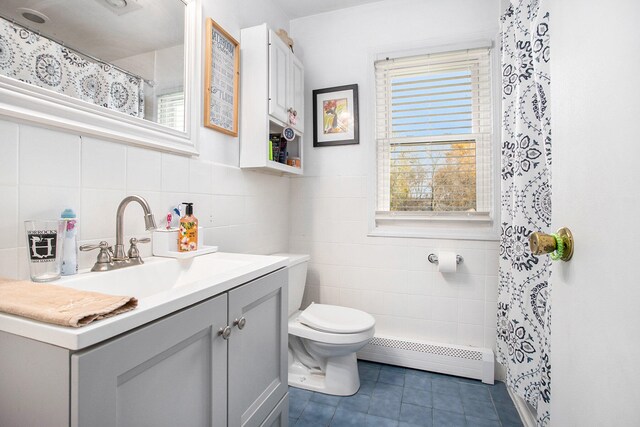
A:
(37, 60)
(524, 311)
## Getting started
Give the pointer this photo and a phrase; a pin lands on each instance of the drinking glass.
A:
(44, 248)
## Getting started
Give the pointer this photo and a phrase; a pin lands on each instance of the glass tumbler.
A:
(44, 248)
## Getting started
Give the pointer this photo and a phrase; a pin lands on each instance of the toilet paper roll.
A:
(447, 262)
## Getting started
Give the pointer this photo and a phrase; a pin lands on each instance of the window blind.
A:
(171, 110)
(433, 131)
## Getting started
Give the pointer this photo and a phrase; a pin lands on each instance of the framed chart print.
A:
(222, 76)
(335, 116)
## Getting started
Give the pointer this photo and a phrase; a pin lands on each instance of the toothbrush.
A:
(169, 217)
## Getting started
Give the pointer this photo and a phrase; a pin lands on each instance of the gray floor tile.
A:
(387, 391)
(445, 386)
(499, 392)
(374, 421)
(484, 398)
(474, 392)
(344, 417)
(448, 419)
(366, 387)
(298, 393)
(394, 396)
(316, 414)
(393, 368)
(326, 399)
(296, 406)
(421, 382)
(507, 412)
(417, 397)
(369, 373)
(386, 408)
(309, 423)
(418, 415)
(391, 377)
(357, 403)
(447, 402)
(480, 409)
(365, 363)
(482, 422)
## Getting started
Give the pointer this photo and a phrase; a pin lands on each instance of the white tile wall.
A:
(43, 172)
(390, 278)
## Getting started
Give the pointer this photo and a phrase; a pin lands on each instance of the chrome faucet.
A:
(112, 259)
(149, 222)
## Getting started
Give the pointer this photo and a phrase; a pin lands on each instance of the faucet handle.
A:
(101, 245)
(134, 253)
(104, 257)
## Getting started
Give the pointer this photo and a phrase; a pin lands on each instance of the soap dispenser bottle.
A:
(188, 233)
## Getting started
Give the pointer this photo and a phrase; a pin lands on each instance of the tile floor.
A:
(391, 396)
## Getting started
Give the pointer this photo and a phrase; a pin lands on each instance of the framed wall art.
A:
(335, 116)
(222, 77)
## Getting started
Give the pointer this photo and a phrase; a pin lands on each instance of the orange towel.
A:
(59, 305)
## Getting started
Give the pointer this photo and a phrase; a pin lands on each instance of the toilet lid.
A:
(335, 319)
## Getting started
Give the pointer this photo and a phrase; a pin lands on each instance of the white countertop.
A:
(162, 286)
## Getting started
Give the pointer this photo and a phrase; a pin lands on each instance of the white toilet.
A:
(323, 339)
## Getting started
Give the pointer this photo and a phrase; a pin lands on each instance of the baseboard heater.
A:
(463, 361)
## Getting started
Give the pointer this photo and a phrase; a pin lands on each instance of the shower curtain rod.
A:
(86, 55)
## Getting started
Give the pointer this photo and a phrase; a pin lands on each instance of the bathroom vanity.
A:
(205, 347)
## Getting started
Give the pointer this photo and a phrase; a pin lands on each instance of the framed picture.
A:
(222, 73)
(335, 116)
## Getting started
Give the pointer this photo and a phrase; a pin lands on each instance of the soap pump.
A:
(188, 232)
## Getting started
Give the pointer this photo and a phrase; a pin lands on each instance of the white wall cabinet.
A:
(271, 83)
(177, 370)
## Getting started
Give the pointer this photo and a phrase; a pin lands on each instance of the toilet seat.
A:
(336, 319)
(298, 329)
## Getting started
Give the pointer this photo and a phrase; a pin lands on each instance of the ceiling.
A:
(300, 8)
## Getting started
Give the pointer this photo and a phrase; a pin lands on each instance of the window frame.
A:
(439, 225)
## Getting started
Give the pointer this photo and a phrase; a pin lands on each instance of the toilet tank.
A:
(297, 279)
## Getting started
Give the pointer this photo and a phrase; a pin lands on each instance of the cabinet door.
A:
(258, 351)
(279, 417)
(296, 90)
(170, 373)
(278, 78)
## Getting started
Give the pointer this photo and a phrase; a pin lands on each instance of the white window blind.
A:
(171, 110)
(433, 131)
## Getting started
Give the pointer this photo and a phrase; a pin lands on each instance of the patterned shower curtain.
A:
(524, 310)
(37, 60)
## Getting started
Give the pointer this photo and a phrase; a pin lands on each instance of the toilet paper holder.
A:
(433, 259)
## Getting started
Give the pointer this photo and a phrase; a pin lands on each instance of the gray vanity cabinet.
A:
(179, 371)
(170, 373)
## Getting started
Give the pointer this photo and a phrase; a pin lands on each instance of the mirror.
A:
(117, 60)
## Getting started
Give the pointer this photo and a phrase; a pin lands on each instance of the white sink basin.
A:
(161, 285)
(158, 275)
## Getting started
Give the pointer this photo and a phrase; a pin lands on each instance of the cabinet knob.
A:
(240, 322)
(225, 332)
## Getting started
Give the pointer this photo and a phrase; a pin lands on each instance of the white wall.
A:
(330, 206)
(44, 171)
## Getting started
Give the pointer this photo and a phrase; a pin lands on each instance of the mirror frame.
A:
(34, 105)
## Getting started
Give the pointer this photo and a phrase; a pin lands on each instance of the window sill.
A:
(454, 227)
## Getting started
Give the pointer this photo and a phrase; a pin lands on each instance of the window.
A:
(433, 131)
(171, 110)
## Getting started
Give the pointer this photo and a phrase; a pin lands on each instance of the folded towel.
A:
(60, 305)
